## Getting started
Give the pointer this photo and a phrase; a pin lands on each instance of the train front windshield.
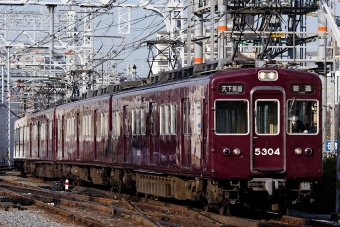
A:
(302, 116)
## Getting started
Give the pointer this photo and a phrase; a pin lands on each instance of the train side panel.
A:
(161, 129)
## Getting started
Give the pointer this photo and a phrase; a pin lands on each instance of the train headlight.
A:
(271, 76)
(298, 151)
(308, 151)
(268, 75)
(226, 151)
(237, 151)
(262, 75)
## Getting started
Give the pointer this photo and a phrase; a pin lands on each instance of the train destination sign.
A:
(231, 88)
(302, 88)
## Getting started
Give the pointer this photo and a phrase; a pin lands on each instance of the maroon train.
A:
(245, 136)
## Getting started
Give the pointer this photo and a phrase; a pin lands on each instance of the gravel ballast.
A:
(28, 218)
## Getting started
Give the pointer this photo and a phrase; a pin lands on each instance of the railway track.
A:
(98, 208)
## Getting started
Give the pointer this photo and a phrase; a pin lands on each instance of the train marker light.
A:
(237, 151)
(308, 151)
(268, 75)
(226, 151)
(66, 184)
(298, 151)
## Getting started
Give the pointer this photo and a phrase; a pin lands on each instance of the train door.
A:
(95, 125)
(204, 133)
(127, 137)
(62, 136)
(30, 139)
(77, 132)
(47, 133)
(152, 131)
(268, 138)
(38, 137)
(185, 134)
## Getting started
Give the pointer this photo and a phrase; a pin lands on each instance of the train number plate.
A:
(265, 151)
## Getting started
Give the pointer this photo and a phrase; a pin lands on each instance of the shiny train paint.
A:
(225, 138)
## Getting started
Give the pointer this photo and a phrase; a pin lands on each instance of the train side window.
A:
(16, 142)
(162, 119)
(104, 123)
(115, 123)
(186, 117)
(42, 131)
(133, 129)
(167, 119)
(198, 117)
(142, 121)
(22, 131)
(59, 129)
(35, 131)
(153, 118)
(83, 131)
(67, 127)
(127, 123)
(73, 121)
(231, 116)
(50, 130)
(24, 134)
(27, 134)
(173, 119)
(137, 121)
(267, 117)
(302, 116)
(101, 123)
(70, 124)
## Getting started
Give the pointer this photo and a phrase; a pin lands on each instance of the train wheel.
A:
(120, 186)
(206, 206)
(283, 209)
(224, 208)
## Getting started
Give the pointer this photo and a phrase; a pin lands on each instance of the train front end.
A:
(265, 140)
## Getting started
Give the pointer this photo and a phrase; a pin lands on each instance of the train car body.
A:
(246, 136)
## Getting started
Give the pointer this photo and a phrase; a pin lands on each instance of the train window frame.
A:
(277, 117)
(293, 110)
(50, 130)
(142, 121)
(162, 120)
(28, 133)
(104, 121)
(133, 126)
(246, 116)
(186, 112)
(168, 119)
(115, 123)
(83, 126)
(16, 142)
(35, 131)
(173, 112)
(153, 119)
(138, 121)
(197, 117)
(42, 131)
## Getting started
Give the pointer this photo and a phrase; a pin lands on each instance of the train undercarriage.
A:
(265, 194)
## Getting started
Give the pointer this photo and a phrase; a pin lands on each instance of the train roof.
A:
(179, 77)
